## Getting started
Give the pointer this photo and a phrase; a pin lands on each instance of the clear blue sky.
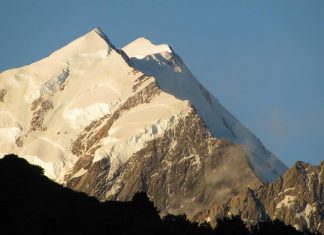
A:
(264, 60)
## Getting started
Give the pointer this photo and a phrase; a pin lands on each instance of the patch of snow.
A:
(107, 85)
(288, 201)
(286, 190)
(81, 172)
(119, 151)
(196, 159)
(89, 45)
(113, 190)
(53, 143)
(307, 213)
(33, 95)
(135, 127)
(47, 154)
(154, 175)
(81, 117)
(102, 54)
(309, 180)
(143, 47)
(297, 227)
(186, 158)
(10, 129)
(9, 134)
(54, 84)
(309, 210)
(49, 168)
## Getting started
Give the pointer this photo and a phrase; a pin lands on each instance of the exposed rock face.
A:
(112, 122)
(297, 198)
(40, 108)
(2, 94)
(185, 171)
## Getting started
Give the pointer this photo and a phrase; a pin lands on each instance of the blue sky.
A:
(264, 60)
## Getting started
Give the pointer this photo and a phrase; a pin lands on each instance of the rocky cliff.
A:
(297, 198)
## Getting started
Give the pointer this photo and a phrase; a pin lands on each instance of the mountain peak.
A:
(92, 42)
(301, 166)
(98, 32)
(142, 47)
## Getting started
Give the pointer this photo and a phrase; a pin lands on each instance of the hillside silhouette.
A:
(30, 203)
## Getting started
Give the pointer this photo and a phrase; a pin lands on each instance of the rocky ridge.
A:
(297, 198)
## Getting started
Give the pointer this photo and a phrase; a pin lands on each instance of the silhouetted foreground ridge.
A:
(30, 203)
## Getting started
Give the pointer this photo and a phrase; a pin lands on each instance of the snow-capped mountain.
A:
(111, 122)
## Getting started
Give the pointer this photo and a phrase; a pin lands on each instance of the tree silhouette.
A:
(231, 226)
(275, 227)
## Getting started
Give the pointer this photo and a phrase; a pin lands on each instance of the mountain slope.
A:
(185, 170)
(175, 78)
(297, 198)
(112, 122)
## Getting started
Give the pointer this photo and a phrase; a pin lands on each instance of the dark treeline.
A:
(30, 203)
